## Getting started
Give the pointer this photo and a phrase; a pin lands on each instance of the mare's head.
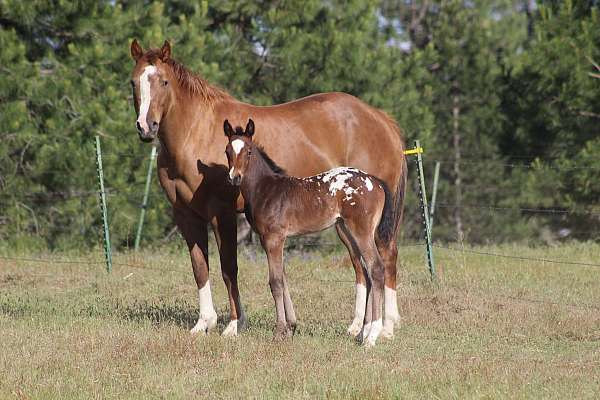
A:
(238, 150)
(152, 91)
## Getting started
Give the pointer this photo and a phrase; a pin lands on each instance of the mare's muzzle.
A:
(147, 135)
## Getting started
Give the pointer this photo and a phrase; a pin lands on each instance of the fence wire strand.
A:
(546, 260)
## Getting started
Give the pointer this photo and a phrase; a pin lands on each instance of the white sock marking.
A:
(374, 333)
(145, 95)
(359, 310)
(232, 328)
(208, 316)
(391, 305)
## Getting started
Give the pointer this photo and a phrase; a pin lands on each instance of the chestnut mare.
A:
(279, 206)
(305, 136)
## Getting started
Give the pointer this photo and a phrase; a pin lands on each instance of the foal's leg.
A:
(225, 229)
(290, 314)
(364, 238)
(195, 233)
(389, 254)
(273, 246)
(361, 286)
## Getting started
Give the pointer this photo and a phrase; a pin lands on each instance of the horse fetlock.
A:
(282, 331)
(231, 329)
(388, 329)
(374, 332)
(206, 323)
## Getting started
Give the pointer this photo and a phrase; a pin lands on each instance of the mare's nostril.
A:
(154, 125)
(138, 126)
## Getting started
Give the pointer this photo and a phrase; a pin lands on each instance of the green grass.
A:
(492, 328)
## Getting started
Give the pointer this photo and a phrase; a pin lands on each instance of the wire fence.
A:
(133, 196)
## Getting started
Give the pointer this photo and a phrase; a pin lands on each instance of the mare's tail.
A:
(393, 208)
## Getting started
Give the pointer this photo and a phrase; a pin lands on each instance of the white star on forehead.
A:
(237, 145)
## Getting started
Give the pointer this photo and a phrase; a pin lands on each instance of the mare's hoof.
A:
(204, 325)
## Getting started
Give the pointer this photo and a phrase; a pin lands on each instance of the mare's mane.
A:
(193, 83)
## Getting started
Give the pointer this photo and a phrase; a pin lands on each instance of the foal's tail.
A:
(387, 223)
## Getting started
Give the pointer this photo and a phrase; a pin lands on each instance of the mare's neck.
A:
(186, 126)
(258, 170)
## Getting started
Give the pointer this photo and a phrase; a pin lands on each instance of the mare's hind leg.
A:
(225, 228)
(389, 255)
(195, 232)
(361, 285)
(273, 246)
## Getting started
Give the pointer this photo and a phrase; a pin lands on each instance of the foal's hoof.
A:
(355, 328)
(231, 329)
(281, 332)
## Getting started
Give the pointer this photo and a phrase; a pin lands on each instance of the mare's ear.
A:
(249, 128)
(228, 129)
(165, 51)
(136, 50)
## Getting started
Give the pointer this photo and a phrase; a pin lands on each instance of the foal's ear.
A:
(136, 50)
(165, 51)
(228, 129)
(249, 128)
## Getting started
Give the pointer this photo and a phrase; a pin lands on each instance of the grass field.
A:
(492, 328)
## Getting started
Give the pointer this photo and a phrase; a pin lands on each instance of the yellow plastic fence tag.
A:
(416, 150)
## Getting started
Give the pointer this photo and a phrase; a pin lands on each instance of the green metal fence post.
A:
(425, 211)
(436, 176)
(102, 193)
(138, 235)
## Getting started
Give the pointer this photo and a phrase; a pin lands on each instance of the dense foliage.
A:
(505, 95)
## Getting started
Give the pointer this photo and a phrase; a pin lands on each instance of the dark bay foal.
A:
(278, 206)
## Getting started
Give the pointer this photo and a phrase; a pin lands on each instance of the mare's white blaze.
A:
(359, 310)
(369, 184)
(237, 145)
(374, 333)
(145, 95)
(208, 317)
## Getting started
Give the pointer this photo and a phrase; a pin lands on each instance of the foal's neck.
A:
(258, 170)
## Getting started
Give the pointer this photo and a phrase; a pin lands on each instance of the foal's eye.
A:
(165, 83)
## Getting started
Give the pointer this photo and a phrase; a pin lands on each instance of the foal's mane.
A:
(193, 83)
(270, 163)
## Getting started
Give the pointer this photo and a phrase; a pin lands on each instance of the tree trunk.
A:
(457, 178)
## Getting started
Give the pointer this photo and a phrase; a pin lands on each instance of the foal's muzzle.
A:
(235, 181)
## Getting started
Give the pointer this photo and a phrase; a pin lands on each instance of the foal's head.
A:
(239, 150)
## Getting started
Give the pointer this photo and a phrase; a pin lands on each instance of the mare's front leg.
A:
(225, 228)
(195, 232)
(273, 246)
(361, 284)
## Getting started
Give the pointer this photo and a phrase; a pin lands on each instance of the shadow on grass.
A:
(180, 314)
